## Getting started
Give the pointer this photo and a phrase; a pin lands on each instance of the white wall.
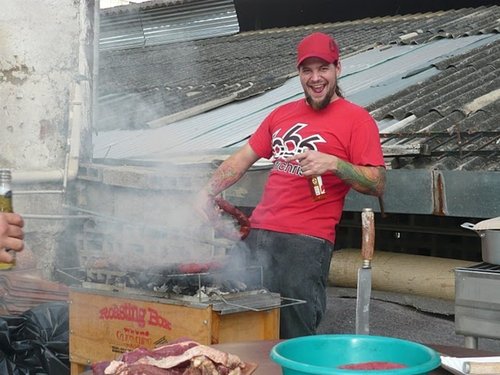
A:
(45, 48)
(38, 59)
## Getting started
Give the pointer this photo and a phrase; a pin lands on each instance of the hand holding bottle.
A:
(315, 163)
(11, 235)
(11, 224)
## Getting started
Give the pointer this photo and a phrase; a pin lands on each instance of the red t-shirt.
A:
(342, 129)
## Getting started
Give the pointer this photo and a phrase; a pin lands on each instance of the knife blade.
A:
(364, 286)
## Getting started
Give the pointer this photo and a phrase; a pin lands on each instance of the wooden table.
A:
(258, 352)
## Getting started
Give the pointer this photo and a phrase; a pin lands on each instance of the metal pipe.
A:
(74, 137)
(80, 92)
(95, 67)
(54, 217)
(28, 177)
(72, 155)
(95, 214)
(28, 192)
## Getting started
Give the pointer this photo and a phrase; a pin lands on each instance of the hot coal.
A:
(170, 280)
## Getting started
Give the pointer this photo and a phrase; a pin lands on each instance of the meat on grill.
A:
(183, 357)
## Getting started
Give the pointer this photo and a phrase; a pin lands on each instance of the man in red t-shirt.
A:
(323, 140)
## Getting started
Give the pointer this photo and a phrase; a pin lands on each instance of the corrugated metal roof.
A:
(182, 79)
(166, 22)
(366, 77)
(453, 118)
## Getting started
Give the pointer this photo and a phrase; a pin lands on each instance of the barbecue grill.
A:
(115, 310)
(216, 288)
(477, 302)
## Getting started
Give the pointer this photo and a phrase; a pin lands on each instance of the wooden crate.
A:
(104, 324)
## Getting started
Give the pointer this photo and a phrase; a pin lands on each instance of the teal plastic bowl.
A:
(324, 354)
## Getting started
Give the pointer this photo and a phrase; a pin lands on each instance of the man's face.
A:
(319, 80)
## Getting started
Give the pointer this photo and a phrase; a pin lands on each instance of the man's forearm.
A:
(231, 170)
(225, 176)
(366, 180)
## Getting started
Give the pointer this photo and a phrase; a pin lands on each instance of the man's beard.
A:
(323, 103)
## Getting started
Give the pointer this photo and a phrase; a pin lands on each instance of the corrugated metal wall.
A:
(133, 26)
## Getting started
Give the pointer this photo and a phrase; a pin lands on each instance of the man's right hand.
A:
(227, 174)
(205, 206)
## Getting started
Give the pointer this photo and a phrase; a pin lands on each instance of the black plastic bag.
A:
(36, 342)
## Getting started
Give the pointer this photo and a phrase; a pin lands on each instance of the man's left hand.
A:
(315, 163)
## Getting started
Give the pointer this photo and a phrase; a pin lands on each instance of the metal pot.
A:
(490, 243)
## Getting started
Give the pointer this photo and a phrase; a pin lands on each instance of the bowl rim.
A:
(423, 368)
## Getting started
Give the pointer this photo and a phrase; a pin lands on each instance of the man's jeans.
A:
(296, 266)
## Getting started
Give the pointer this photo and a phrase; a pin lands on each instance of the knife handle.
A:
(367, 235)
(481, 368)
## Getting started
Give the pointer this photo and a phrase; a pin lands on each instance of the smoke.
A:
(154, 224)
(151, 229)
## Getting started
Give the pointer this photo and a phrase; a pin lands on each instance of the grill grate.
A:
(227, 291)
